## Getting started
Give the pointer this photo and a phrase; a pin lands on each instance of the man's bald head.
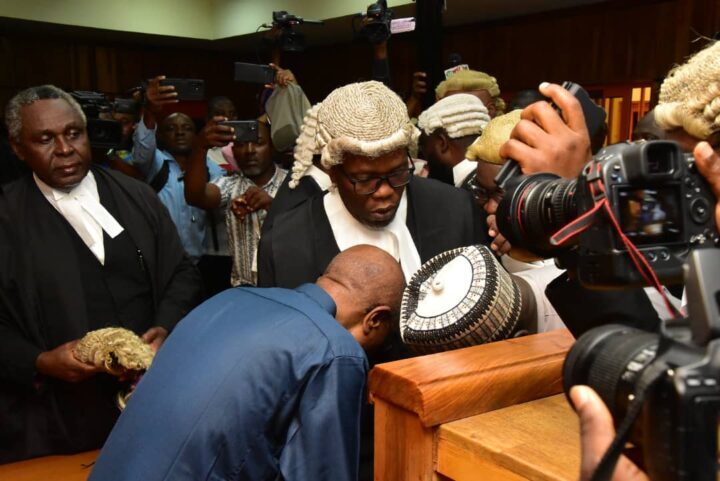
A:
(366, 284)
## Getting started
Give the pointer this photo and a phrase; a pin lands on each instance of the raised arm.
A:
(198, 191)
(144, 143)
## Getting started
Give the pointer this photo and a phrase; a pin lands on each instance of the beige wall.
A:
(203, 19)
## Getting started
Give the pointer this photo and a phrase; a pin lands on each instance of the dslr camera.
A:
(662, 388)
(648, 193)
(102, 133)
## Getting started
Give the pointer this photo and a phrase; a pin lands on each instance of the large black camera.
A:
(649, 193)
(667, 381)
(376, 23)
(290, 40)
(102, 133)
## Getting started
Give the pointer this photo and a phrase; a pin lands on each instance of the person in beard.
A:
(245, 195)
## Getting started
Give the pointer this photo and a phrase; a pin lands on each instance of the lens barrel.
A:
(535, 207)
(610, 360)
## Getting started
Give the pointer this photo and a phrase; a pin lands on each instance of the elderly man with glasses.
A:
(362, 133)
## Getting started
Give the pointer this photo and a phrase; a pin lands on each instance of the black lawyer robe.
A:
(35, 416)
(300, 244)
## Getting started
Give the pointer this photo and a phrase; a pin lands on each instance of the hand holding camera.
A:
(545, 141)
(216, 134)
(596, 433)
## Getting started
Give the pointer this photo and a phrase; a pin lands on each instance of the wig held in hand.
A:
(690, 95)
(364, 118)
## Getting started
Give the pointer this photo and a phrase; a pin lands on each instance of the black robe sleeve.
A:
(178, 281)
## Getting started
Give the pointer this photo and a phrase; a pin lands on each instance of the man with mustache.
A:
(245, 196)
(81, 248)
(362, 133)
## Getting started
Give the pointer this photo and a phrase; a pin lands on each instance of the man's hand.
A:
(282, 77)
(214, 134)
(155, 336)
(257, 199)
(543, 141)
(239, 208)
(158, 96)
(708, 163)
(417, 92)
(60, 363)
(596, 435)
(499, 243)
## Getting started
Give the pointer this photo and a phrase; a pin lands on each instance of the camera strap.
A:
(649, 377)
(601, 203)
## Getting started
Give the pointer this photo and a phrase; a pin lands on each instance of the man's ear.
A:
(17, 149)
(444, 142)
(377, 321)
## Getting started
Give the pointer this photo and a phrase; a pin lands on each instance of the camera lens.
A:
(610, 359)
(533, 208)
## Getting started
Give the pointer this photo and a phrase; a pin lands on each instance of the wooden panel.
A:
(75, 467)
(537, 441)
(403, 446)
(456, 384)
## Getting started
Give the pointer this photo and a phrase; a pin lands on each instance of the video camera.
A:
(102, 133)
(668, 381)
(376, 24)
(290, 40)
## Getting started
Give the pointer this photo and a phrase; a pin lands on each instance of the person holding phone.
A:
(245, 195)
(161, 151)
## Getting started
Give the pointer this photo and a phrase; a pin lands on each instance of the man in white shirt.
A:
(81, 248)
(449, 127)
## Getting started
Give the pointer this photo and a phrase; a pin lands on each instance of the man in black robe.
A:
(374, 199)
(81, 248)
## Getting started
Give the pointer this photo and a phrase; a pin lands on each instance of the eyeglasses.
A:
(481, 194)
(370, 185)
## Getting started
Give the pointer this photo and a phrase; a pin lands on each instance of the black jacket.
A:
(35, 416)
(300, 244)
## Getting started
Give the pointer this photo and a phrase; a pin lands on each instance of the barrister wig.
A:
(690, 95)
(364, 118)
(466, 80)
(487, 147)
(458, 115)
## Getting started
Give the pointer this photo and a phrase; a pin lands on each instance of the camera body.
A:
(660, 201)
(102, 133)
(376, 27)
(677, 371)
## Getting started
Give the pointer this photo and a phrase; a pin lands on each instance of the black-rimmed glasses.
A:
(370, 185)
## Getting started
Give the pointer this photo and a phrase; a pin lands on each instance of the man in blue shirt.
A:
(262, 384)
(162, 162)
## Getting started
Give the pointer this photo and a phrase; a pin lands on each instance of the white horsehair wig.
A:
(363, 118)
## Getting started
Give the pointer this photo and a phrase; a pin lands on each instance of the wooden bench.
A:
(417, 400)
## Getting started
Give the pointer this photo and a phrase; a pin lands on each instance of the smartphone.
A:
(594, 120)
(254, 73)
(245, 130)
(187, 88)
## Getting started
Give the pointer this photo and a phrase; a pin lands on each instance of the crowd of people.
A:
(268, 274)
